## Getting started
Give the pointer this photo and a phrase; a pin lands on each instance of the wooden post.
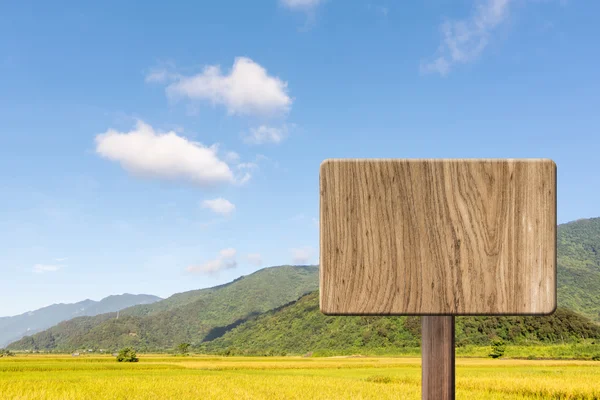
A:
(437, 354)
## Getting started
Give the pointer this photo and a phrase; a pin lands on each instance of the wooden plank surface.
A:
(438, 236)
(438, 366)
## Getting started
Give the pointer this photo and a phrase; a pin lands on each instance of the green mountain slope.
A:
(300, 327)
(185, 317)
(202, 315)
(578, 283)
(15, 327)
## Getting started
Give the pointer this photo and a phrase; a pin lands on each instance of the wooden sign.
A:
(452, 237)
(438, 237)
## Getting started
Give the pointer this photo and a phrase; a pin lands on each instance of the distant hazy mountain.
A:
(14, 328)
(193, 316)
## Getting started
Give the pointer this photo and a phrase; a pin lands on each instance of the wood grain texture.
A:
(437, 354)
(438, 237)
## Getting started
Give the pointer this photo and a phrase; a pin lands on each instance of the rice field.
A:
(32, 376)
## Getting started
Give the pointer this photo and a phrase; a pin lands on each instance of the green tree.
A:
(498, 348)
(127, 354)
(183, 348)
(6, 353)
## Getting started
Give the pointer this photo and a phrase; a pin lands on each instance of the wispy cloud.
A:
(219, 206)
(158, 75)
(266, 134)
(232, 156)
(464, 40)
(247, 165)
(303, 5)
(255, 259)
(378, 9)
(307, 7)
(162, 73)
(43, 268)
(244, 178)
(302, 255)
(225, 260)
(247, 89)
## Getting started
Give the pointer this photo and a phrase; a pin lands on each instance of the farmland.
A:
(42, 376)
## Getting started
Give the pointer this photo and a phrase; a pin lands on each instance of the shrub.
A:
(183, 348)
(379, 379)
(127, 354)
(6, 353)
(498, 348)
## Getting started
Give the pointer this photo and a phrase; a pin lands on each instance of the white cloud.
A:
(219, 206)
(302, 255)
(255, 259)
(144, 152)
(464, 40)
(162, 73)
(266, 134)
(228, 253)
(225, 260)
(247, 89)
(157, 75)
(232, 156)
(244, 178)
(301, 4)
(61, 259)
(42, 268)
(247, 165)
(243, 168)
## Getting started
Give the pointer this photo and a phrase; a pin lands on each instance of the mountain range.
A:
(194, 316)
(276, 308)
(15, 327)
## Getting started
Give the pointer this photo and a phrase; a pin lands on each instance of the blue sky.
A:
(170, 146)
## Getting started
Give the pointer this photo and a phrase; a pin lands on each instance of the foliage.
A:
(578, 273)
(300, 327)
(189, 317)
(6, 353)
(498, 348)
(183, 348)
(127, 354)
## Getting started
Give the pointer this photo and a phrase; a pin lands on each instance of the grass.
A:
(582, 351)
(37, 376)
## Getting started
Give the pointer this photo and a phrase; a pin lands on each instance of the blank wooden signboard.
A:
(438, 237)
